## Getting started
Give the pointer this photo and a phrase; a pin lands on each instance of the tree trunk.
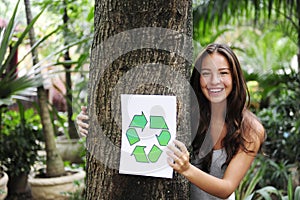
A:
(55, 165)
(69, 97)
(139, 47)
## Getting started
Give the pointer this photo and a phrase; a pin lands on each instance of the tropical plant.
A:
(285, 14)
(69, 12)
(21, 133)
(263, 179)
(270, 192)
(265, 50)
(54, 162)
(283, 106)
(13, 86)
(278, 173)
(251, 180)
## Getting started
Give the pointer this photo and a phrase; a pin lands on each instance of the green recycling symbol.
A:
(156, 122)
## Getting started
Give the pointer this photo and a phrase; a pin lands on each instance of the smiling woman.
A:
(227, 136)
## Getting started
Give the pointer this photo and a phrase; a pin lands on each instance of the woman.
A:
(228, 136)
(234, 133)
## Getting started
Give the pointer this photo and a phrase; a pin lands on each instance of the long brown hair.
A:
(237, 101)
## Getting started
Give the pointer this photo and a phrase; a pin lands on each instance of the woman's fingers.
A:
(83, 108)
(80, 120)
(179, 149)
(83, 132)
(172, 156)
(181, 146)
(81, 124)
(82, 116)
(179, 155)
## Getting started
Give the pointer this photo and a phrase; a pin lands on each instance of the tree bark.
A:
(54, 162)
(69, 97)
(113, 57)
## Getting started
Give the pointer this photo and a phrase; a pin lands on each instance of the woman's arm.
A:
(224, 187)
(234, 173)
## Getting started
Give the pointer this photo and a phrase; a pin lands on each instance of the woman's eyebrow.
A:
(209, 69)
(224, 68)
(205, 68)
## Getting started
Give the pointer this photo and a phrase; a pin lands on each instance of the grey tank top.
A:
(218, 159)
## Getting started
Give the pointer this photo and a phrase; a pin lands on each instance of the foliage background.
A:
(266, 43)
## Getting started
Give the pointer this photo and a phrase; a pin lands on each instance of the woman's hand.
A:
(180, 157)
(80, 120)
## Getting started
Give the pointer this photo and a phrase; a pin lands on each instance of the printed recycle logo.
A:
(156, 122)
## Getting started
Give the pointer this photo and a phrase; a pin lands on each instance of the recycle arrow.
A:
(139, 121)
(163, 138)
(132, 136)
(158, 122)
(139, 154)
(154, 153)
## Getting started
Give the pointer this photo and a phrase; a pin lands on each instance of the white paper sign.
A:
(148, 126)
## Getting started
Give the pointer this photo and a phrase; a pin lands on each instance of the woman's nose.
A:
(215, 78)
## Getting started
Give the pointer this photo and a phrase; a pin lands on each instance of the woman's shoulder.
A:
(253, 128)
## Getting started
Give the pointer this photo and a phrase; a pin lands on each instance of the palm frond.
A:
(215, 12)
(6, 35)
(19, 41)
(11, 85)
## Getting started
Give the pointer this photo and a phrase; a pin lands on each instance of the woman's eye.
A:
(205, 73)
(224, 73)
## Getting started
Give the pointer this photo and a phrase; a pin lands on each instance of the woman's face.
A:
(215, 78)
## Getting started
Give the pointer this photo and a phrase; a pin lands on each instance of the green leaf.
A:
(40, 41)
(6, 37)
(12, 86)
(21, 38)
(266, 192)
(255, 179)
(290, 188)
(297, 193)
